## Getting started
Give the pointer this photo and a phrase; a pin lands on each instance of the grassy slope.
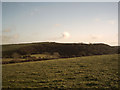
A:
(83, 72)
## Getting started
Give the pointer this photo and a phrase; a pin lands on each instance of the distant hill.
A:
(64, 49)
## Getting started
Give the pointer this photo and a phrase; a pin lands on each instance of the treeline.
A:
(63, 49)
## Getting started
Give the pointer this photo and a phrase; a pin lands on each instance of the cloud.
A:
(63, 35)
(66, 35)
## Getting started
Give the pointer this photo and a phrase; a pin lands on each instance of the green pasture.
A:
(82, 72)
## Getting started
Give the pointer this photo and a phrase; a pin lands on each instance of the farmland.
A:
(100, 71)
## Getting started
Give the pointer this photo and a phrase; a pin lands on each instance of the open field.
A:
(81, 72)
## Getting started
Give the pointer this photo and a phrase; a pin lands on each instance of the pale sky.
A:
(86, 22)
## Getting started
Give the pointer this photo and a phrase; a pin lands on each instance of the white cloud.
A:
(66, 35)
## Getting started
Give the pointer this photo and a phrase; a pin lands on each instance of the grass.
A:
(81, 72)
(7, 60)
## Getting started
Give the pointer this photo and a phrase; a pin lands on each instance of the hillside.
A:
(63, 49)
(99, 71)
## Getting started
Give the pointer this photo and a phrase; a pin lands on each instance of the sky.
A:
(69, 22)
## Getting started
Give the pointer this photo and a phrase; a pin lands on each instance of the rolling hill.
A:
(63, 49)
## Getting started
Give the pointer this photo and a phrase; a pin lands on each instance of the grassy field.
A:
(81, 72)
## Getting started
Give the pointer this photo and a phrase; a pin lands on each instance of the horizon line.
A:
(57, 42)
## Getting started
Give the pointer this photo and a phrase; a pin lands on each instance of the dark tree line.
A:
(64, 49)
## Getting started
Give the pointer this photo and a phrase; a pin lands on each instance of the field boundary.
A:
(42, 59)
